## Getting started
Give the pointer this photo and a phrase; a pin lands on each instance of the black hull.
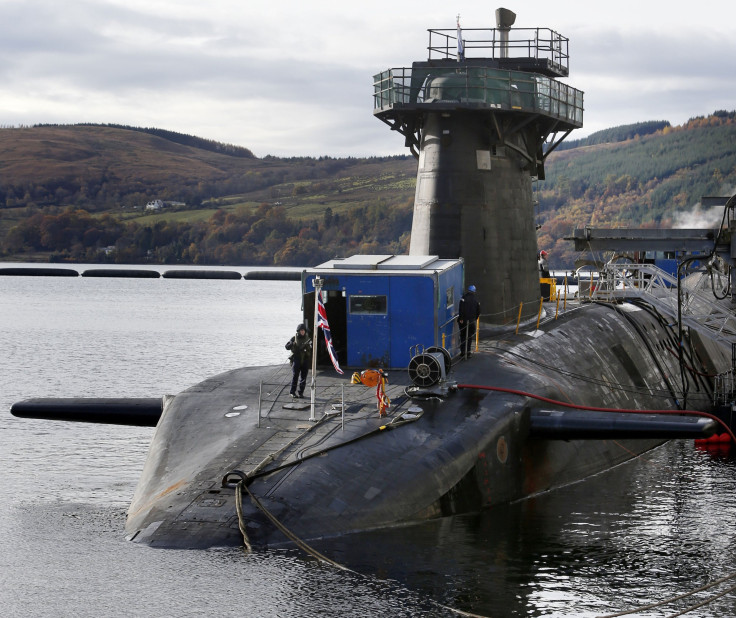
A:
(455, 450)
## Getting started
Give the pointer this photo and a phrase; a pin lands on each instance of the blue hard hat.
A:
(471, 288)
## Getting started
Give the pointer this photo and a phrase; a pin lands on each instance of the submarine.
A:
(399, 424)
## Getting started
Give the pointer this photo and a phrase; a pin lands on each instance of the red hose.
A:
(514, 391)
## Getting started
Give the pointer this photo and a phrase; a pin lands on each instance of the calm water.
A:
(650, 530)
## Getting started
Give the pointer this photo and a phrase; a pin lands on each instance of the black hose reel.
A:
(429, 367)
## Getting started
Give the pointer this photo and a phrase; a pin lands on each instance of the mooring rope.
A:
(678, 597)
(244, 479)
(702, 603)
(242, 484)
(241, 518)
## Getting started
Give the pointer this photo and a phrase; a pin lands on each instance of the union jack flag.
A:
(324, 325)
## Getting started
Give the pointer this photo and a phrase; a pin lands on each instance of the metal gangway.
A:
(700, 307)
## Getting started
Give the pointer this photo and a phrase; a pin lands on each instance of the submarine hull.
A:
(452, 448)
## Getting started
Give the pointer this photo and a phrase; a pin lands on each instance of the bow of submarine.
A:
(389, 476)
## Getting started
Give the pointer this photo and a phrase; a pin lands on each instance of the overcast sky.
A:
(290, 78)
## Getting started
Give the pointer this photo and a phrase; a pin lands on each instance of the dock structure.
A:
(477, 115)
(703, 247)
(659, 239)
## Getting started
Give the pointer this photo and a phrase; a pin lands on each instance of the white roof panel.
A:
(362, 262)
(407, 262)
(418, 264)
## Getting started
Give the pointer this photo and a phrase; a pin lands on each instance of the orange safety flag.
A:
(383, 401)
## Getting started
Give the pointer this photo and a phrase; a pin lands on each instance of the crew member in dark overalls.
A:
(467, 316)
(301, 356)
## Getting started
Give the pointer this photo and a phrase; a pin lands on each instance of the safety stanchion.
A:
(539, 315)
(518, 319)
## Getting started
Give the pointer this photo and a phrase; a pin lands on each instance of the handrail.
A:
(620, 280)
(534, 43)
(480, 87)
(452, 319)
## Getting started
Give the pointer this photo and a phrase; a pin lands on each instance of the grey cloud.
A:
(83, 53)
(633, 77)
(630, 55)
(85, 50)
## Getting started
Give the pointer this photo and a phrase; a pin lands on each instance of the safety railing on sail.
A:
(537, 43)
(620, 280)
(481, 87)
(392, 86)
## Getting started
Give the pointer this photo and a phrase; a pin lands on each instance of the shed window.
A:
(368, 305)
(450, 297)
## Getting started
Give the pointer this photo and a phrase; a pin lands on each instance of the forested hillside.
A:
(616, 134)
(646, 181)
(79, 193)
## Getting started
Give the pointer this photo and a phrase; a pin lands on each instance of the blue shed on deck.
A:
(380, 306)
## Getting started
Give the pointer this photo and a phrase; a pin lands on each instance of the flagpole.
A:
(318, 281)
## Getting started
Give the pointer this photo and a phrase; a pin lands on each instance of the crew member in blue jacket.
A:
(467, 317)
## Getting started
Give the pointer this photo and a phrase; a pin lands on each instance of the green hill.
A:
(76, 192)
(72, 192)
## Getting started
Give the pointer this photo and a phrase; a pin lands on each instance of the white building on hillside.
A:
(154, 205)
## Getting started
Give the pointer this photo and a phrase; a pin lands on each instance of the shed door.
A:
(335, 307)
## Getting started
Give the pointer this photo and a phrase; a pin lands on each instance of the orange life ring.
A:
(370, 377)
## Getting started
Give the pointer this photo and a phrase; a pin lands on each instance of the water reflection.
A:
(648, 530)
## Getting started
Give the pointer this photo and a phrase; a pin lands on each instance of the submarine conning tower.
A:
(477, 115)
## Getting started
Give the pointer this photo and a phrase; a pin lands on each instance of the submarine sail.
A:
(478, 125)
